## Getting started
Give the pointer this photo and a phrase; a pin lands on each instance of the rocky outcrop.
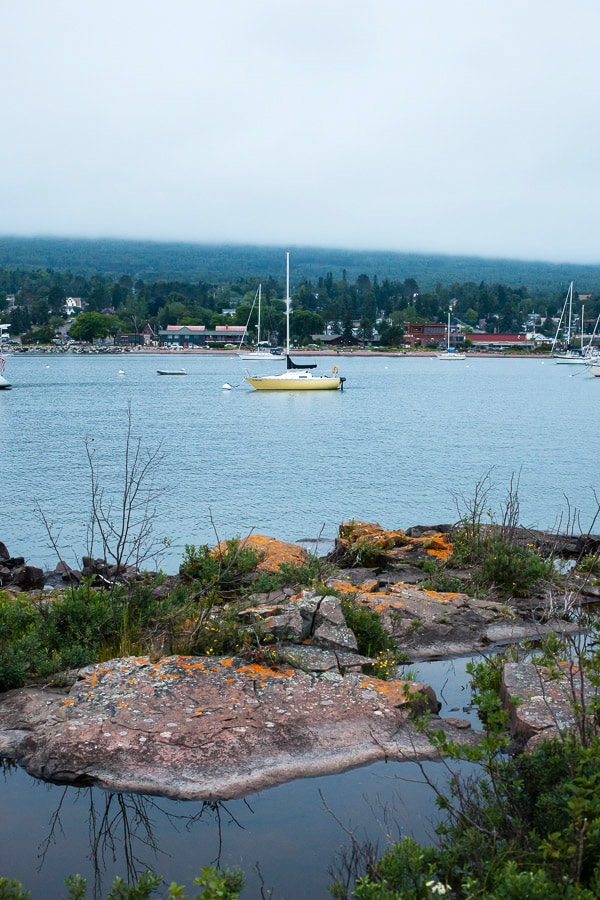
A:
(307, 618)
(271, 552)
(206, 727)
(210, 728)
(541, 702)
(14, 572)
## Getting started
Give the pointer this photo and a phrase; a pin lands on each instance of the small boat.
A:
(5, 385)
(450, 352)
(171, 371)
(295, 377)
(262, 352)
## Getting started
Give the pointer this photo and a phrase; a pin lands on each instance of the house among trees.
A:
(72, 305)
(423, 334)
(200, 335)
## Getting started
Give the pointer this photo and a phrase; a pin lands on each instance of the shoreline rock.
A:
(222, 727)
(211, 728)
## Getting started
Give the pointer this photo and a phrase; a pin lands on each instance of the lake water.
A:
(405, 443)
(287, 838)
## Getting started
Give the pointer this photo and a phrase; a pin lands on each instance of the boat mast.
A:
(570, 314)
(449, 311)
(287, 303)
(562, 315)
(258, 324)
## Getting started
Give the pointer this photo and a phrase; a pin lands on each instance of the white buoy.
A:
(121, 371)
(226, 386)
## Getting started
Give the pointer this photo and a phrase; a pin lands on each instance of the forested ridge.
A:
(337, 291)
(160, 261)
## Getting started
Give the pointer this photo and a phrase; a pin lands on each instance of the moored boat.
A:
(5, 384)
(450, 352)
(295, 377)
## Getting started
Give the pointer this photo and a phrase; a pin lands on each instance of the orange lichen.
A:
(353, 533)
(439, 546)
(442, 596)
(227, 661)
(345, 587)
(272, 553)
(263, 672)
(397, 692)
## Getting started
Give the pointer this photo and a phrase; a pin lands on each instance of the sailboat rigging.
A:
(569, 354)
(4, 382)
(297, 376)
(450, 352)
(262, 353)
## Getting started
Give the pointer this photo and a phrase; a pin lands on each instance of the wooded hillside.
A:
(219, 263)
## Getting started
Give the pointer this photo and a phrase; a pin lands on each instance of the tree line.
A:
(353, 308)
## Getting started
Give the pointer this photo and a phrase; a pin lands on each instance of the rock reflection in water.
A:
(288, 838)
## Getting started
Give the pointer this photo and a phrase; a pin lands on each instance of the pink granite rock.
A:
(208, 728)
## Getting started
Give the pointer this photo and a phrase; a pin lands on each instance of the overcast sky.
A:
(436, 126)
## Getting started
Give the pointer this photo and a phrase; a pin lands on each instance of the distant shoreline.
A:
(197, 351)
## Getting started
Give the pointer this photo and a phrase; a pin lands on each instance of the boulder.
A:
(210, 728)
(540, 701)
(27, 577)
(272, 553)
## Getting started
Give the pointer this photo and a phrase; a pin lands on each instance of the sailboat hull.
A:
(260, 356)
(294, 381)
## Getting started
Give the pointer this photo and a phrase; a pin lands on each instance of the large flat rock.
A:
(208, 728)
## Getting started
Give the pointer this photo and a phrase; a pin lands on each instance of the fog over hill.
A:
(218, 263)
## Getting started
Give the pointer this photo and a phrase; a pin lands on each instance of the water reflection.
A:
(123, 828)
(287, 840)
(290, 841)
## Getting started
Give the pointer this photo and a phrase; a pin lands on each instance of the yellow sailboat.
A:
(296, 377)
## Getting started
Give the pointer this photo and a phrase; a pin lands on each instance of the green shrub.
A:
(589, 564)
(371, 636)
(511, 568)
(311, 574)
(13, 667)
(442, 583)
(217, 637)
(217, 884)
(222, 570)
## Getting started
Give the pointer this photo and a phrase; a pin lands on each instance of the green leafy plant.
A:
(371, 636)
(222, 569)
(311, 574)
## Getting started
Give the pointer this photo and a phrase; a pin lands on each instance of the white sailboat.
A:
(450, 352)
(262, 353)
(296, 377)
(569, 355)
(5, 384)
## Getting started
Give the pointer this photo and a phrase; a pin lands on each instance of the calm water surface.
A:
(404, 444)
(287, 838)
(401, 445)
